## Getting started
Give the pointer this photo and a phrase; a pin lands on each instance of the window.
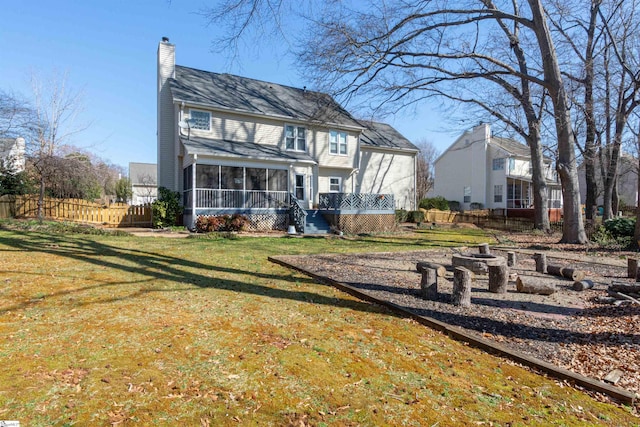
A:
(512, 164)
(467, 195)
(200, 120)
(278, 180)
(295, 138)
(338, 142)
(335, 184)
(497, 193)
(256, 179)
(498, 164)
(208, 176)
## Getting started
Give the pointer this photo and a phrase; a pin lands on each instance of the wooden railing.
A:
(356, 201)
(76, 210)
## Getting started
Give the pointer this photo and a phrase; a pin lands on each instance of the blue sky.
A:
(109, 50)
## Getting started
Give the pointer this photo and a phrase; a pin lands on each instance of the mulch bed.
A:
(568, 328)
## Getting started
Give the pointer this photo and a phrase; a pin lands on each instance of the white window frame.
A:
(195, 123)
(498, 164)
(295, 138)
(332, 184)
(497, 193)
(338, 143)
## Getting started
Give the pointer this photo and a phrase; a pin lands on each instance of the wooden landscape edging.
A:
(461, 334)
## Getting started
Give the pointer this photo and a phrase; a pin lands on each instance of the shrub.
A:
(620, 227)
(454, 205)
(437, 202)
(415, 216)
(401, 215)
(475, 206)
(229, 223)
(166, 210)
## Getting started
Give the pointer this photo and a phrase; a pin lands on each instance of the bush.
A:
(401, 215)
(437, 202)
(166, 210)
(415, 216)
(475, 206)
(229, 223)
(620, 227)
(454, 205)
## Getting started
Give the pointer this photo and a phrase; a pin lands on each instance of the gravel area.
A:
(567, 328)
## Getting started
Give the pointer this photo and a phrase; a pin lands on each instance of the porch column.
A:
(193, 192)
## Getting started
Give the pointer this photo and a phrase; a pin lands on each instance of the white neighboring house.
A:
(627, 181)
(231, 144)
(492, 172)
(12, 153)
(144, 182)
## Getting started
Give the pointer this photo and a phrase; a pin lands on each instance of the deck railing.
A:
(251, 199)
(297, 214)
(356, 201)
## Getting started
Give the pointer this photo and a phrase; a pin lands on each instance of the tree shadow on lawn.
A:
(156, 266)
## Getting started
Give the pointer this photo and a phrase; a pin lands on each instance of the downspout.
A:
(193, 192)
(415, 183)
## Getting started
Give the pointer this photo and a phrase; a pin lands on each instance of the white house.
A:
(627, 181)
(490, 172)
(233, 144)
(144, 182)
(12, 153)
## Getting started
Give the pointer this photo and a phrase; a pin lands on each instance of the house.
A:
(627, 181)
(144, 182)
(485, 171)
(12, 154)
(275, 153)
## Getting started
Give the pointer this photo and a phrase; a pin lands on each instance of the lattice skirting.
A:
(362, 223)
(267, 222)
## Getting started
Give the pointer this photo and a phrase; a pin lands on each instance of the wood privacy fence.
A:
(76, 210)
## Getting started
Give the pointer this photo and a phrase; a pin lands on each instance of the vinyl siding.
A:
(387, 173)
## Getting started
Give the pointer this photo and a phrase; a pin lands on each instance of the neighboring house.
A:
(144, 182)
(12, 153)
(231, 144)
(627, 181)
(490, 172)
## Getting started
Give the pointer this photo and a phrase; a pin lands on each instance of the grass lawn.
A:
(122, 330)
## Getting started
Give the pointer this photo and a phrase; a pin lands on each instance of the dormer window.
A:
(295, 138)
(200, 120)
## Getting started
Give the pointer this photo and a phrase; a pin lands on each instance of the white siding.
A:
(388, 173)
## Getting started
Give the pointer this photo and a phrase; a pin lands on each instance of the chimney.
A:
(167, 161)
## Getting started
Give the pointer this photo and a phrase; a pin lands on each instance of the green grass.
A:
(119, 330)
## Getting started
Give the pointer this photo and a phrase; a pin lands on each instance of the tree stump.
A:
(541, 262)
(429, 284)
(484, 248)
(581, 285)
(632, 268)
(441, 271)
(498, 278)
(461, 294)
(511, 259)
(531, 285)
(477, 263)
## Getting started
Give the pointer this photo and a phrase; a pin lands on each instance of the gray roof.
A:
(382, 135)
(245, 95)
(514, 147)
(143, 173)
(241, 149)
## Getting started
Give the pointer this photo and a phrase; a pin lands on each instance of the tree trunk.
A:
(498, 278)
(440, 269)
(532, 285)
(581, 285)
(632, 267)
(573, 227)
(429, 284)
(461, 294)
(541, 262)
(483, 248)
(511, 259)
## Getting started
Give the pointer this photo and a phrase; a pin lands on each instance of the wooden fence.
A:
(76, 210)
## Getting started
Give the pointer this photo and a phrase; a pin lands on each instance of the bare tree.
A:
(56, 109)
(397, 53)
(15, 115)
(424, 167)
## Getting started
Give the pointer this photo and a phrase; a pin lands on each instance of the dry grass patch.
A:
(99, 330)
